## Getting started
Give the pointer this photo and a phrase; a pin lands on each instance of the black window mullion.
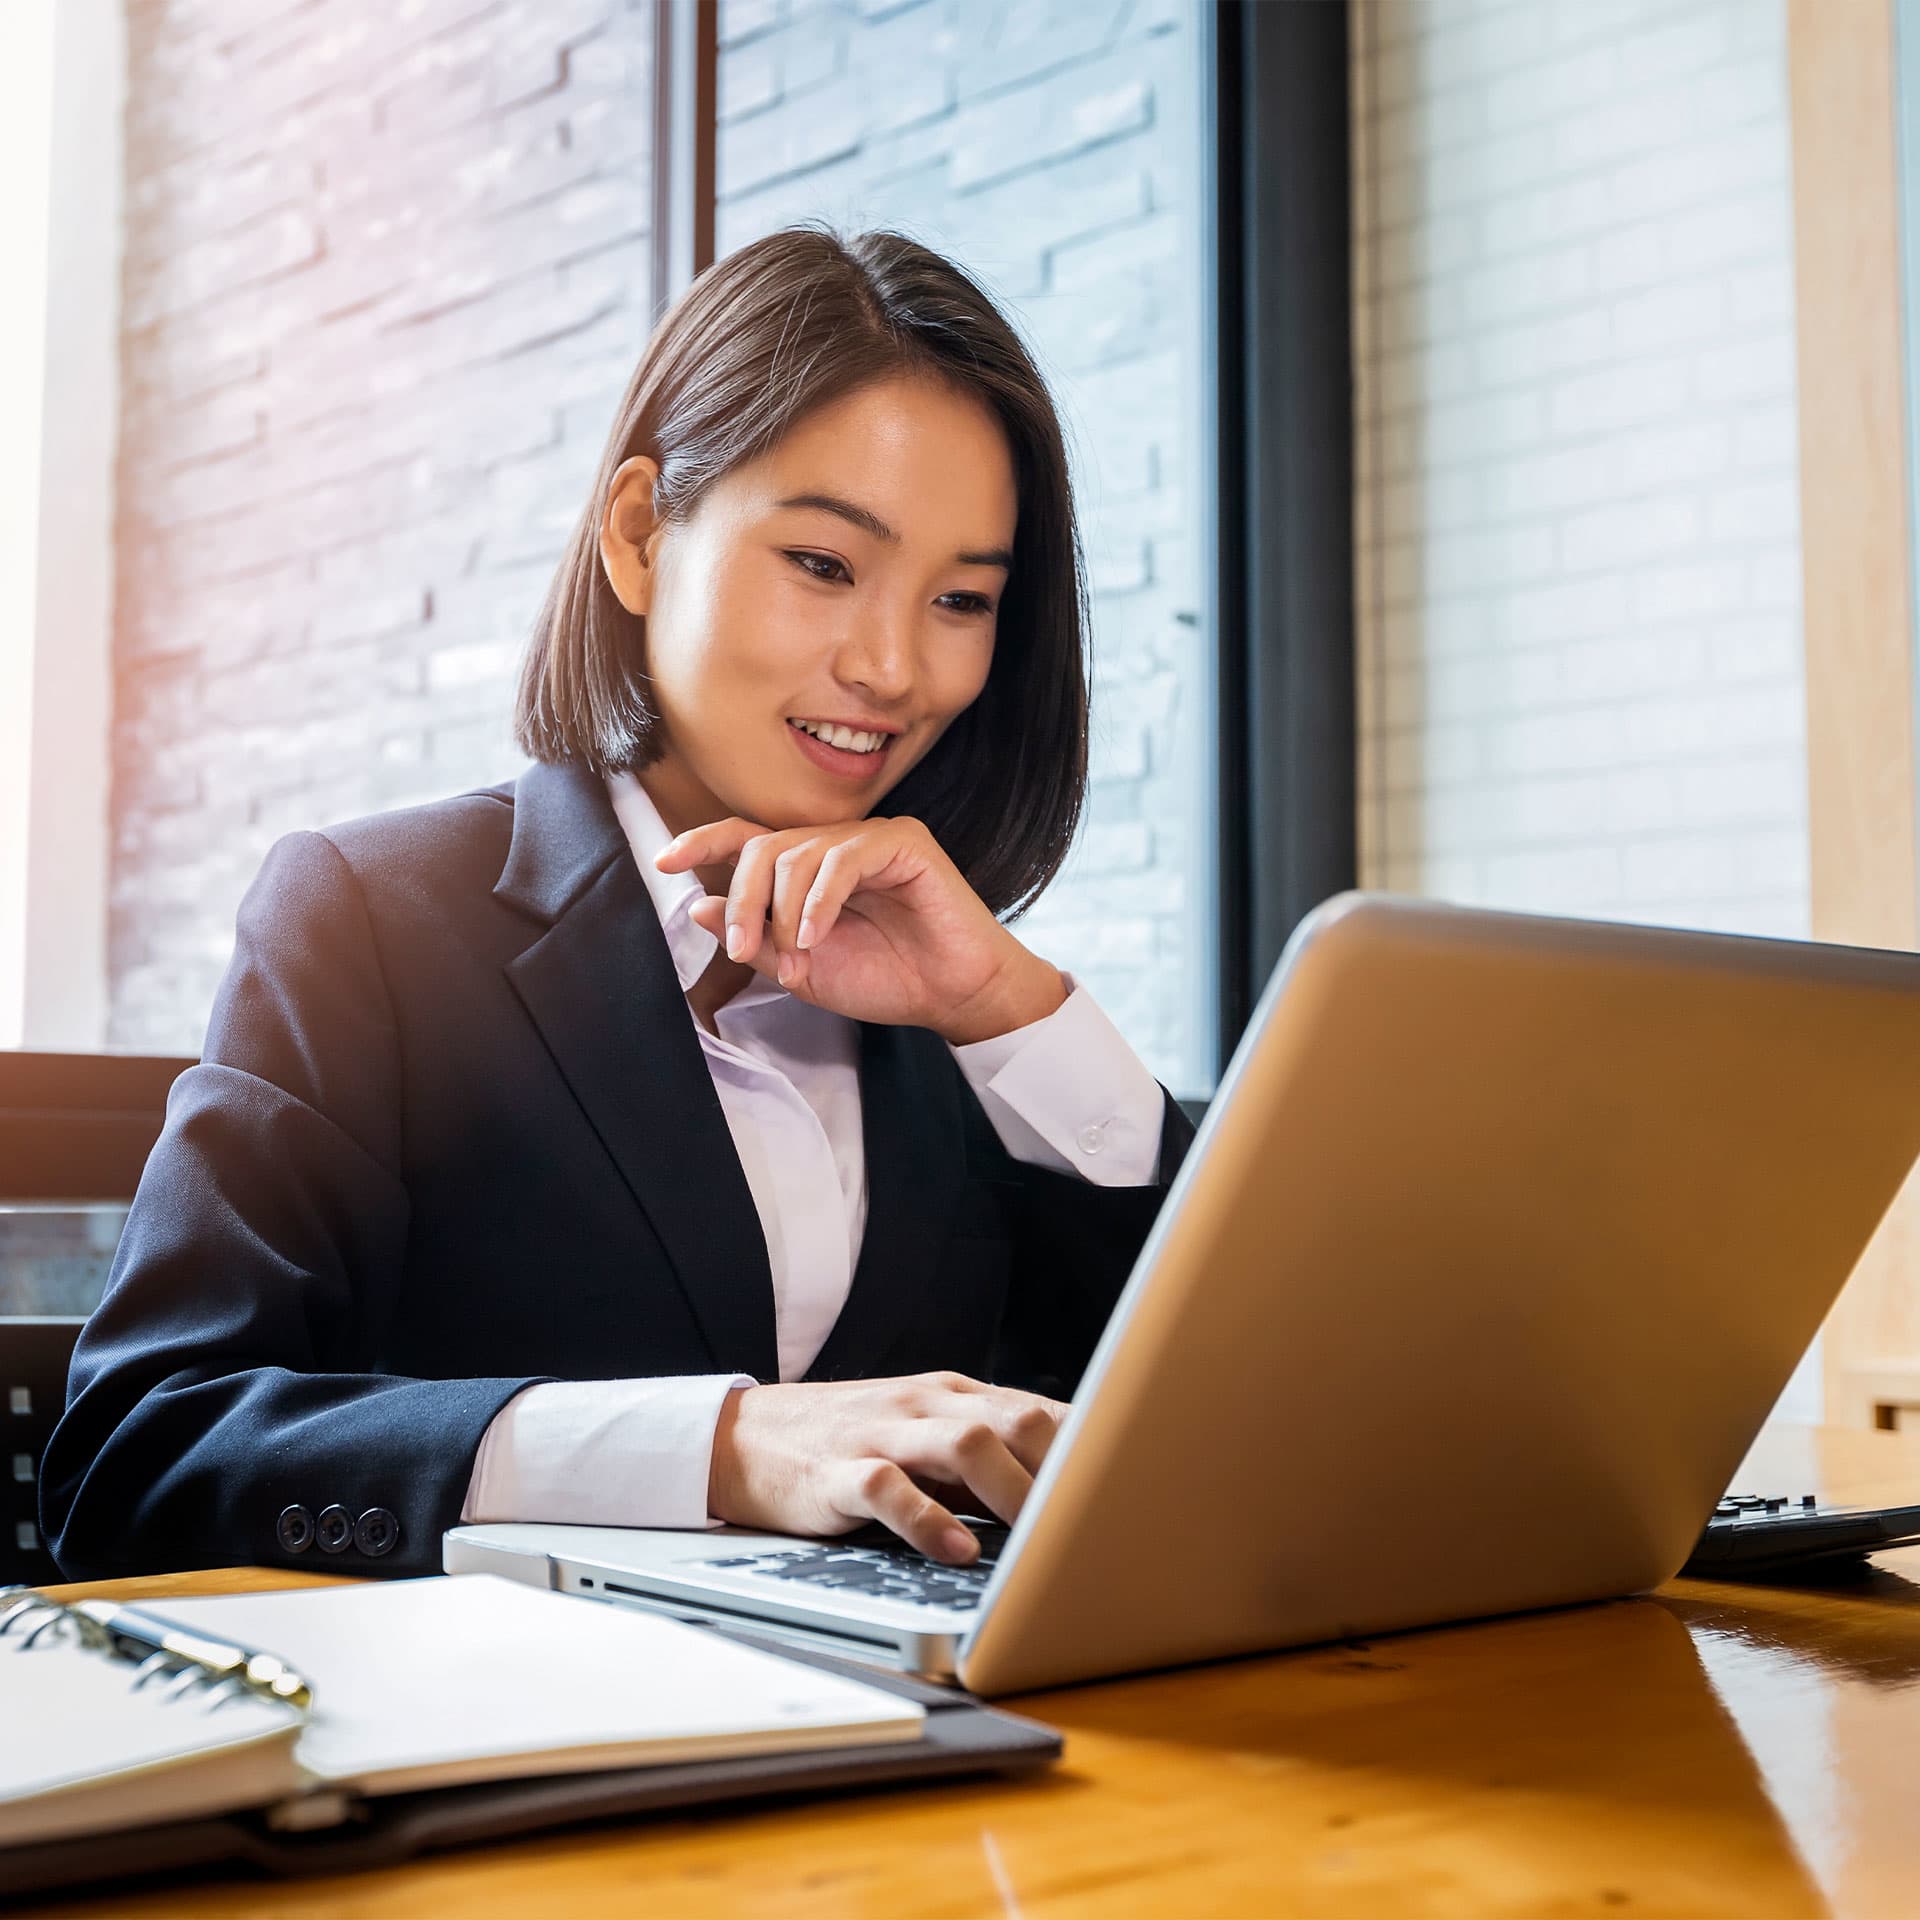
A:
(1283, 444)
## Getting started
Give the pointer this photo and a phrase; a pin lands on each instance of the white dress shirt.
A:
(1065, 1092)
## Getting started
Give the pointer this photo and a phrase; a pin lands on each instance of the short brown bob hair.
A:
(786, 324)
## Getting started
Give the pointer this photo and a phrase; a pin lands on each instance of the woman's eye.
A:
(974, 602)
(806, 562)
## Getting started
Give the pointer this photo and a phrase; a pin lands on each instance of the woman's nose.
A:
(878, 656)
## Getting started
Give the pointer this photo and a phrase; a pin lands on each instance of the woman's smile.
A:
(848, 753)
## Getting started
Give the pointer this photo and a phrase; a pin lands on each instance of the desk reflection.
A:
(1577, 1761)
(1823, 1679)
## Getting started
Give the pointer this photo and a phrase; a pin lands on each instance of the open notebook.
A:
(415, 1684)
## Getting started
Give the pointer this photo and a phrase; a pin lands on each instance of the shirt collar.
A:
(673, 894)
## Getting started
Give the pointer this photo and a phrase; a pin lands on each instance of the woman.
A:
(505, 1189)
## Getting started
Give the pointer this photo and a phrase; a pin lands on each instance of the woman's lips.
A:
(847, 764)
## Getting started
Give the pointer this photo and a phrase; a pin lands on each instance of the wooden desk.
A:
(1712, 1750)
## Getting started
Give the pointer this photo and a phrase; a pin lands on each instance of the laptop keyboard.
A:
(861, 1563)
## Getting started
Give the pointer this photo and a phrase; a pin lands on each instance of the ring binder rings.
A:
(162, 1649)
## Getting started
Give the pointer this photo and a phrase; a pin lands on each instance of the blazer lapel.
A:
(600, 985)
(916, 1150)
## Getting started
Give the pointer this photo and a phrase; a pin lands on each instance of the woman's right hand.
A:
(826, 1456)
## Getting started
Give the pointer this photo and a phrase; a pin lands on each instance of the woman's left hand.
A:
(868, 918)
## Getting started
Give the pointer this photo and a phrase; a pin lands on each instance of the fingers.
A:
(839, 871)
(709, 846)
(709, 914)
(794, 867)
(752, 849)
(789, 889)
(909, 1452)
(968, 1455)
(1029, 1430)
(772, 873)
(751, 894)
(882, 1490)
(1026, 1422)
(748, 896)
(971, 1454)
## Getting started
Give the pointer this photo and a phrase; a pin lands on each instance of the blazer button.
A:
(294, 1530)
(334, 1530)
(376, 1532)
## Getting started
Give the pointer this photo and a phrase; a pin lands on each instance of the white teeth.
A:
(844, 737)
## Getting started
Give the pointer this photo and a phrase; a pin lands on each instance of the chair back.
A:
(75, 1132)
(79, 1126)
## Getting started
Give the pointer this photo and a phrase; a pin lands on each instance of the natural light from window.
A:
(26, 135)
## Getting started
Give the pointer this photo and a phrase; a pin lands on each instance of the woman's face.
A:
(850, 578)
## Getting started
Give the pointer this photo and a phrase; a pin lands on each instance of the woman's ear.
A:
(627, 530)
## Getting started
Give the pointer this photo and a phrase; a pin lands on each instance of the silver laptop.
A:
(1496, 1247)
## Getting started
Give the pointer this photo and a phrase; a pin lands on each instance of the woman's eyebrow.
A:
(870, 522)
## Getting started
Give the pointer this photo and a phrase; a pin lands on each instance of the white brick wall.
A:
(1579, 586)
(385, 278)
(1580, 676)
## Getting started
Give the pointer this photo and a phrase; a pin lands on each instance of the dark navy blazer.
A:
(453, 1134)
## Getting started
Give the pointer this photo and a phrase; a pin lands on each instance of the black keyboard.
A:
(1772, 1533)
(876, 1562)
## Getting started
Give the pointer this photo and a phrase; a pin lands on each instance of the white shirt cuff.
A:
(602, 1453)
(1067, 1092)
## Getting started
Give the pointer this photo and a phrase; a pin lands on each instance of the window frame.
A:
(1288, 829)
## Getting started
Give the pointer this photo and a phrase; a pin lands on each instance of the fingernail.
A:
(785, 969)
(736, 939)
(804, 938)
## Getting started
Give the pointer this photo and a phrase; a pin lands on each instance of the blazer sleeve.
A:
(1074, 1244)
(229, 1371)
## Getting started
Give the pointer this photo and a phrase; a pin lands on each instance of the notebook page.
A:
(472, 1677)
(80, 1750)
